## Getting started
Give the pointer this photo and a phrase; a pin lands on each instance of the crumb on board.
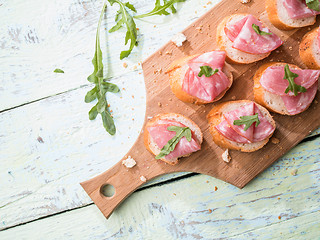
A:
(125, 65)
(129, 162)
(159, 104)
(143, 178)
(294, 172)
(245, 1)
(179, 39)
(279, 217)
(215, 188)
(290, 48)
(210, 211)
(226, 156)
(275, 140)
(169, 52)
(233, 97)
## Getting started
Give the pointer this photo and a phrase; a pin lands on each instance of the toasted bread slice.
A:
(152, 146)
(177, 72)
(267, 99)
(234, 55)
(279, 17)
(215, 117)
(309, 49)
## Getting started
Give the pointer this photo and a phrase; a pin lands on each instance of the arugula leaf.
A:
(161, 9)
(127, 20)
(101, 86)
(248, 121)
(313, 4)
(256, 28)
(293, 87)
(207, 71)
(180, 133)
(58, 70)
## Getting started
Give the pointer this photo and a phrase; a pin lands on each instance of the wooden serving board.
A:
(243, 166)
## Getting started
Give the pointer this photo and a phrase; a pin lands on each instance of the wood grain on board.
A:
(244, 166)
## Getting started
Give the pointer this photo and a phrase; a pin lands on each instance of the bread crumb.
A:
(290, 48)
(125, 65)
(275, 140)
(149, 117)
(179, 39)
(129, 162)
(134, 67)
(137, 29)
(209, 2)
(225, 156)
(143, 179)
(170, 99)
(210, 211)
(160, 53)
(215, 188)
(279, 217)
(294, 172)
(169, 52)
(245, 1)
(233, 97)
(159, 104)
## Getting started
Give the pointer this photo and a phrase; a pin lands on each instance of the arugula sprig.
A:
(180, 133)
(293, 87)
(125, 18)
(248, 121)
(256, 28)
(101, 86)
(207, 71)
(161, 9)
(313, 4)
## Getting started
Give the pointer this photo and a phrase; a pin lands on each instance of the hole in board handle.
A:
(107, 190)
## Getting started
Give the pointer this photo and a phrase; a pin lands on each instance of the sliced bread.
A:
(215, 117)
(309, 49)
(279, 17)
(234, 55)
(152, 146)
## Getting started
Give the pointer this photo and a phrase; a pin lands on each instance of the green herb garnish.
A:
(123, 17)
(248, 121)
(161, 9)
(256, 28)
(180, 133)
(58, 70)
(293, 87)
(101, 86)
(207, 71)
(313, 4)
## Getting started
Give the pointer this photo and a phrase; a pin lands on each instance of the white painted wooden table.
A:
(48, 145)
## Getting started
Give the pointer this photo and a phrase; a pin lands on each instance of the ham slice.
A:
(272, 79)
(299, 103)
(245, 39)
(298, 9)
(237, 133)
(161, 135)
(206, 88)
(246, 110)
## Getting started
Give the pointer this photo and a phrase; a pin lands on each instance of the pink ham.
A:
(206, 88)
(237, 134)
(299, 103)
(247, 40)
(161, 135)
(272, 79)
(264, 129)
(232, 31)
(298, 9)
(246, 110)
(227, 131)
(318, 40)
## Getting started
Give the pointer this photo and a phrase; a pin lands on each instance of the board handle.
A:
(124, 181)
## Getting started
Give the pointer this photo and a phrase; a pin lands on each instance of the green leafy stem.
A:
(101, 87)
(248, 121)
(170, 146)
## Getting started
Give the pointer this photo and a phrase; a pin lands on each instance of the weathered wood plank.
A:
(192, 209)
(38, 36)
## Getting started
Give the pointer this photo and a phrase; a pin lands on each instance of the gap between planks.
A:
(175, 179)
